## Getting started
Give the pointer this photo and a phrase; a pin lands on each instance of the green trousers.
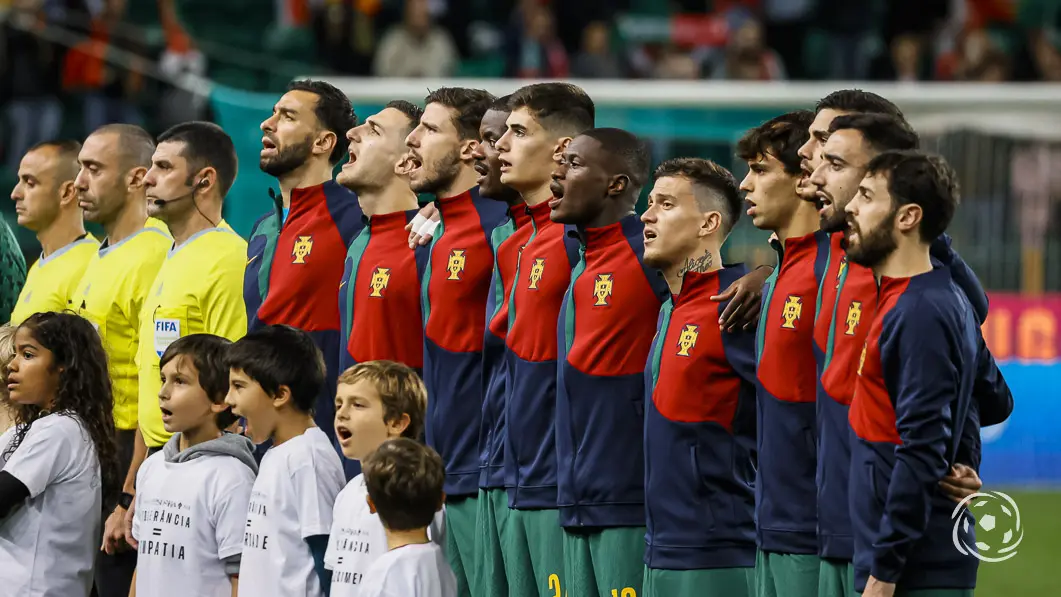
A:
(489, 575)
(460, 541)
(786, 575)
(836, 578)
(719, 582)
(533, 544)
(604, 562)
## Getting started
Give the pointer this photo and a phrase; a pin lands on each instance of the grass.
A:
(1029, 572)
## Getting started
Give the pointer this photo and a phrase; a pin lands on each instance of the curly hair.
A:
(84, 388)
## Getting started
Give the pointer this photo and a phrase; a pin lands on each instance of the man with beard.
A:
(544, 118)
(914, 412)
(787, 562)
(46, 203)
(456, 284)
(853, 140)
(699, 394)
(296, 252)
(603, 346)
(110, 185)
(379, 295)
(507, 241)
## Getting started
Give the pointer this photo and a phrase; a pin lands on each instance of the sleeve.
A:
(315, 501)
(740, 351)
(12, 493)
(140, 476)
(331, 555)
(224, 310)
(436, 531)
(990, 390)
(230, 514)
(923, 381)
(962, 275)
(45, 453)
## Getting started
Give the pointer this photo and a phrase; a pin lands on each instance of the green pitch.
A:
(1033, 571)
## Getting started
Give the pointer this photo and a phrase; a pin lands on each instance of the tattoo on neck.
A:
(697, 265)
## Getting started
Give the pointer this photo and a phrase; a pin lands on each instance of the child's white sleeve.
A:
(315, 496)
(230, 513)
(331, 555)
(141, 475)
(45, 453)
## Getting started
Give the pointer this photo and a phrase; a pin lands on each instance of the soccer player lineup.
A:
(522, 388)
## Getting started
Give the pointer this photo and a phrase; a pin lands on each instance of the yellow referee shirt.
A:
(199, 290)
(111, 296)
(51, 281)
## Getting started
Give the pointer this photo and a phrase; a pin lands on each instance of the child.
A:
(404, 480)
(375, 401)
(192, 496)
(275, 375)
(60, 461)
(7, 352)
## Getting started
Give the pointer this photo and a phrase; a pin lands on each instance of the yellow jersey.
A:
(198, 290)
(111, 296)
(51, 281)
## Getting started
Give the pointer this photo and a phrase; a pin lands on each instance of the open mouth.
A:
(166, 413)
(505, 165)
(650, 235)
(751, 207)
(343, 433)
(557, 189)
(268, 147)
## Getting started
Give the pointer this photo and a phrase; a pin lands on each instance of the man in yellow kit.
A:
(46, 203)
(199, 289)
(110, 189)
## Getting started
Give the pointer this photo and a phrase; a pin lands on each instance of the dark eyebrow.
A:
(287, 111)
(663, 196)
(24, 346)
(162, 163)
(832, 157)
(864, 190)
(374, 125)
(87, 163)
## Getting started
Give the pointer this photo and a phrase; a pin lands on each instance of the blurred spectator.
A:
(847, 26)
(787, 22)
(977, 58)
(346, 34)
(676, 63)
(30, 74)
(746, 58)
(416, 47)
(533, 49)
(596, 59)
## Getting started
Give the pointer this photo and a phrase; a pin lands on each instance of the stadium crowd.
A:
(521, 388)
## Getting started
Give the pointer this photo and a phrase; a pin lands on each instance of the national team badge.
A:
(380, 278)
(303, 247)
(854, 314)
(602, 289)
(687, 339)
(455, 265)
(536, 272)
(791, 311)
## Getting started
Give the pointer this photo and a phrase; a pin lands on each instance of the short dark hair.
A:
(66, 150)
(881, 131)
(781, 137)
(562, 108)
(334, 112)
(206, 145)
(280, 355)
(923, 179)
(404, 479)
(411, 111)
(207, 354)
(719, 183)
(500, 104)
(135, 144)
(631, 151)
(469, 104)
(857, 100)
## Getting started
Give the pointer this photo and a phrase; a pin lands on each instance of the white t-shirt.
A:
(189, 517)
(357, 539)
(48, 545)
(292, 499)
(411, 571)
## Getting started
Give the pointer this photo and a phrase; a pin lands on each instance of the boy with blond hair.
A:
(375, 401)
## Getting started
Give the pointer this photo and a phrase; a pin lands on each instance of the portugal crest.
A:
(303, 247)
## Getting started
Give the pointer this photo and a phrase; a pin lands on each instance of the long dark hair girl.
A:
(84, 388)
